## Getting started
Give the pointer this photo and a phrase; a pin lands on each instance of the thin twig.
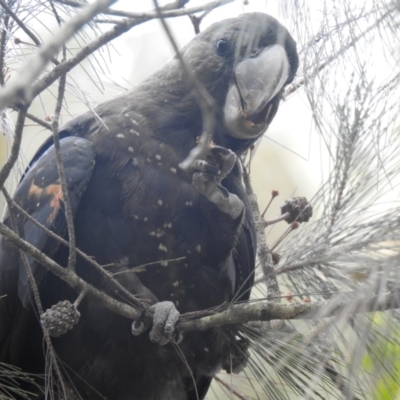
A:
(3, 42)
(295, 86)
(20, 88)
(16, 146)
(20, 23)
(39, 121)
(230, 388)
(107, 37)
(277, 219)
(196, 21)
(270, 311)
(61, 172)
(205, 101)
(174, 9)
(23, 26)
(263, 252)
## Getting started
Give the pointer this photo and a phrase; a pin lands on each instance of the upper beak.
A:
(260, 78)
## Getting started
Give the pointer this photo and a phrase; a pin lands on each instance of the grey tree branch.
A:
(3, 48)
(263, 252)
(229, 387)
(174, 9)
(61, 172)
(39, 121)
(68, 275)
(206, 102)
(234, 314)
(123, 27)
(268, 311)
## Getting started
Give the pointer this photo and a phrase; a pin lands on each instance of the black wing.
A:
(40, 195)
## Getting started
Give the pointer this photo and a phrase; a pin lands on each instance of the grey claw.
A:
(225, 159)
(138, 325)
(165, 318)
(221, 150)
(227, 202)
(207, 182)
(204, 166)
(230, 204)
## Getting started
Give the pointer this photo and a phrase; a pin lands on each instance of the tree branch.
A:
(69, 275)
(170, 10)
(39, 121)
(123, 27)
(263, 252)
(206, 102)
(233, 314)
(268, 311)
(61, 172)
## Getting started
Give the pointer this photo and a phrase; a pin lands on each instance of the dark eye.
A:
(255, 53)
(222, 46)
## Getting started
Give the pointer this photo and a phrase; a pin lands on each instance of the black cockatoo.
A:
(191, 231)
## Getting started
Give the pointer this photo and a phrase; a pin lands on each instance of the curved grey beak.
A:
(260, 78)
(257, 81)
